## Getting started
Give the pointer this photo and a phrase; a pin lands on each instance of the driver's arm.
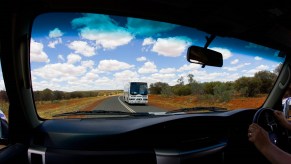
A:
(260, 138)
(283, 121)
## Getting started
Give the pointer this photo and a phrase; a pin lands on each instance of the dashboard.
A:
(209, 137)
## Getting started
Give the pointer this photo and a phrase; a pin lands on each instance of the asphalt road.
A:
(116, 103)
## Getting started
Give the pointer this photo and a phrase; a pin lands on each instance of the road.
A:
(116, 103)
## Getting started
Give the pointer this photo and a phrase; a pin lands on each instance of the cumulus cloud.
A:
(148, 41)
(82, 48)
(90, 76)
(226, 53)
(59, 71)
(103, 30)
(163, 76)
(52, 44)
(167, 70)
(148, 67)
(126, 75)
(88, 64)
(189, 67)
(37, 53)
(258, 58)
(236, 67)
(234, 61)
(147, 27)
(257, 69)
(61, 58)
(141, 59)
(113, 65)
(171, 47)
(73, 58)
(55, 33)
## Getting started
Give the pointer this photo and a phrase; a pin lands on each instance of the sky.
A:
(77, 51)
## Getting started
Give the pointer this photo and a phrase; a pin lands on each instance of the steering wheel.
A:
(278, 134)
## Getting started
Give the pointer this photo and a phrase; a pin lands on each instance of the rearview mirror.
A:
(204, 56)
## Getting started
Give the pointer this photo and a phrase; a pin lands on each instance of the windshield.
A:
(97, 62)
(138, 88)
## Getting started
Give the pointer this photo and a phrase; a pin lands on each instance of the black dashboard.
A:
(209, 137)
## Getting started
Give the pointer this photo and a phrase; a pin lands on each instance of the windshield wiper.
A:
(102, 112)
(199, 109)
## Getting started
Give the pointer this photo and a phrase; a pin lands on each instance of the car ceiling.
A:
(265, 23)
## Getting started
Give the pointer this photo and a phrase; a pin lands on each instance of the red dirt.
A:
(176, 102)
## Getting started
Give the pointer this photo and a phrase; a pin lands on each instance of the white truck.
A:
(136, 93)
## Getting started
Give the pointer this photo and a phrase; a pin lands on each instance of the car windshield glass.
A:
(138, 88)
(97, 62)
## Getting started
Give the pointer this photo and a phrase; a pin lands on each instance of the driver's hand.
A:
(281, 118)
(258, 136)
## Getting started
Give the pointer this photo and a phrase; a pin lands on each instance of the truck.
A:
(136, 93)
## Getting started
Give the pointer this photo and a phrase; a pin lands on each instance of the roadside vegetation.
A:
(218, 91)
(245, 92)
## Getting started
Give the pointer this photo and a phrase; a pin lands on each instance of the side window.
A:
(286, 101)
(4, 104)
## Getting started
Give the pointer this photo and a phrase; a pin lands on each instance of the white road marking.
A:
(128, 108)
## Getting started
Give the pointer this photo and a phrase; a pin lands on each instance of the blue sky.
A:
(73, 51)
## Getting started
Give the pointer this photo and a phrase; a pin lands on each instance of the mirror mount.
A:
(209, 40)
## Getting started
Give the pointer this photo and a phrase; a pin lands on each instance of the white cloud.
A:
(258, 58)
(52, 44)
(234, 61)
(168, 70)
(88, 63)
(140, 59)
(225, 52)
(113, 65)
(55, 33)
(126, 75)
(73, 58)
(257, 69)
(37, 53)
(148, 41)
(104, 81)
(189, 67)
(60, 58)
(82, 47)
(108, 40)
(89, 77)
(160, 76)
(148, 67)
(59, 71)
(236, 67)
(170, 47)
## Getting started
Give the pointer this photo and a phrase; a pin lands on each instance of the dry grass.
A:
(46, 109)
(177, 102)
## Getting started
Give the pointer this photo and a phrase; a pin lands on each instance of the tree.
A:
(182, 90)
(156, 88)
(47, 95)
(180, 81)
(278, 69)
(190, 78)
(267, 79)
(223, 92)
(248, 86)
(208, 87)
(167, 91)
